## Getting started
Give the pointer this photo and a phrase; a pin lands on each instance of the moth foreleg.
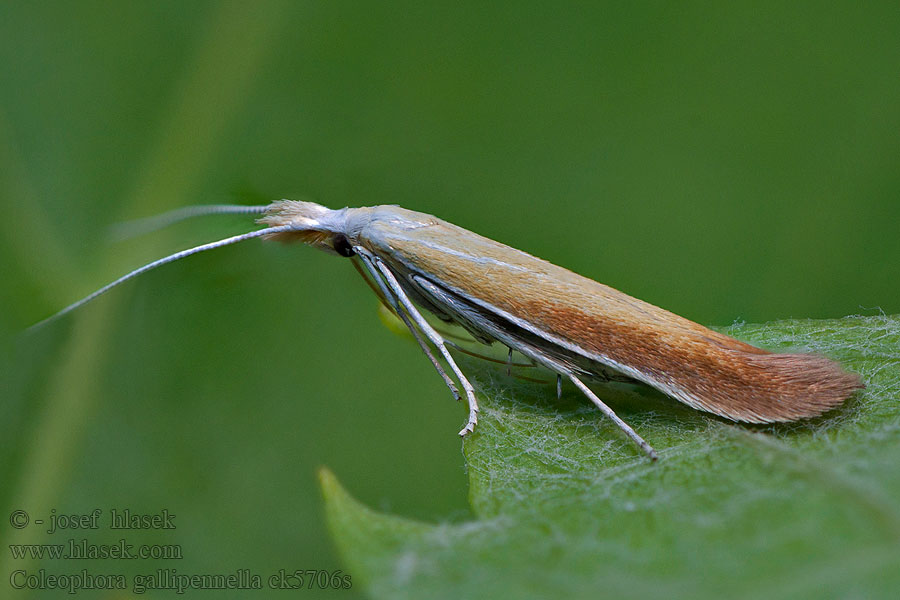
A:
(615, 419)
(392, 300)
(435, 339)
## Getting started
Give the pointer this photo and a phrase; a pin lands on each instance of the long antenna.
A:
(129, 229)
(158, 263)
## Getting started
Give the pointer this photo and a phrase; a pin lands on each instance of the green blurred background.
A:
(727, 161)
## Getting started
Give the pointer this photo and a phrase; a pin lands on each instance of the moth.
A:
(575, 327)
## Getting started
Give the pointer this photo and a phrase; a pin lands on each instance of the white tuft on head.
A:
(309, 223)
(303, 215)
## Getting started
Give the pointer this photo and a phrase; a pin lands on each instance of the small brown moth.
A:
(572, 325)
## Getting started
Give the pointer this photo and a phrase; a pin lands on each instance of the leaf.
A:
(565, 506)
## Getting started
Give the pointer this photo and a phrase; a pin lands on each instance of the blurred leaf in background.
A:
(726, 161)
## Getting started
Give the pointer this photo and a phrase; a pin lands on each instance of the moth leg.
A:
(379, 292)
(385, 296)
(464, 350)
(615, 419)
(465, 310)
(437, 340)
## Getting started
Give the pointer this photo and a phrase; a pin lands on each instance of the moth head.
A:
(310, 223)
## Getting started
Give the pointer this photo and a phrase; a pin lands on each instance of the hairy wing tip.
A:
(772, 388)
(789, 387)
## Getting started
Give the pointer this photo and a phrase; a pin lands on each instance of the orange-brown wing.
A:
(704, 369)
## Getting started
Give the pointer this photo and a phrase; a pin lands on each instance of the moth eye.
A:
(342, 246)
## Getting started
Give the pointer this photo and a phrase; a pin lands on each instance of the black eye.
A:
(342, 245)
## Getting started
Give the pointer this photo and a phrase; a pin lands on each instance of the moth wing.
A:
(584, 320)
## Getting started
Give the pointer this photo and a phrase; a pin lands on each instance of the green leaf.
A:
(565, 506)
